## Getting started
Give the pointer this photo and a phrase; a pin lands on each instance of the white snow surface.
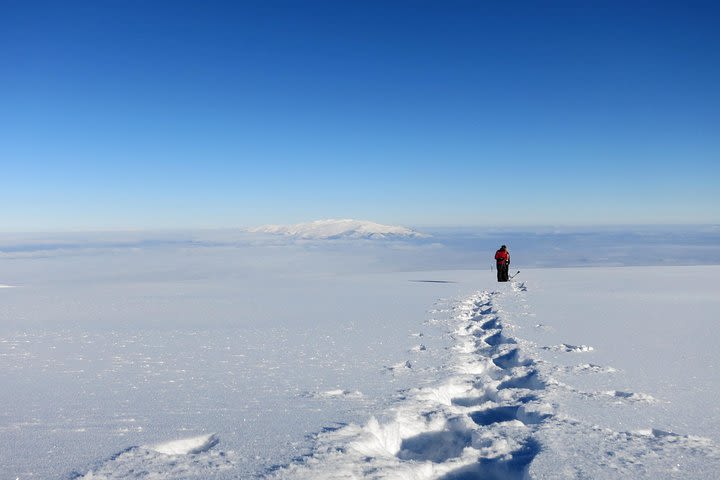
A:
(206, 363)
(186, 446)
(505, 408)
(346, 228)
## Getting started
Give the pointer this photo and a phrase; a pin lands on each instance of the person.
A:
(502, 257)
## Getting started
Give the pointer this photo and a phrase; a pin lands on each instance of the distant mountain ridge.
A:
(335, 229)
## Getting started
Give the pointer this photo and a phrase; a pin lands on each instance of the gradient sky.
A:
(149, 114)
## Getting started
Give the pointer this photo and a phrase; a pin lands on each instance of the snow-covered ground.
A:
(523, 395)
(279, 361)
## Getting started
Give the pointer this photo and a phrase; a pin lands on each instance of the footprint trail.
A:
(496, 413)
(479, 421)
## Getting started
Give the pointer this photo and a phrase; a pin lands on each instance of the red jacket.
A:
(502, 257)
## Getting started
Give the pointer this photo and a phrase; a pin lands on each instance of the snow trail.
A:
(496, 413)
(480, 420)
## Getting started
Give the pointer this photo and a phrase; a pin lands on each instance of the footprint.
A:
(506, 414)
(495, 415)
(531, 381)
(497, 339)
(511, 360)
(505, 467)
(469, 401)
(491, 324)
(436, 447)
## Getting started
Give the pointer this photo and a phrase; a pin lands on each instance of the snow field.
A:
(97, 374)
(479, 419)
(498, 411)
(576, 373)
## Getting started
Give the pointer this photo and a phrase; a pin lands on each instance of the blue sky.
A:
(137, 114)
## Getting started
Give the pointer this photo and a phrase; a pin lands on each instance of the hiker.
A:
(502, 257)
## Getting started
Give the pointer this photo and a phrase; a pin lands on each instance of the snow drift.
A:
(187, 446)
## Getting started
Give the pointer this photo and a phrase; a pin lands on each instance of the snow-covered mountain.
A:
(347, 228)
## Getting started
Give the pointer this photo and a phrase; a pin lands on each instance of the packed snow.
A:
(504, 409)
(187, 446)
(334, 229)
(200, 360)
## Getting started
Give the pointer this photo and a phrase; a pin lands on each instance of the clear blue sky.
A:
(149, 114)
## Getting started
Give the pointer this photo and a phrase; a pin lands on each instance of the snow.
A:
(347, 228)
(564, 347)
(506, 406)
(186, 446)
(301, 361)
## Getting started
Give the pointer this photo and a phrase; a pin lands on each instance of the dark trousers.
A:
(502, 271)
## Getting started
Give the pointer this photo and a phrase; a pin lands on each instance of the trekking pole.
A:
(515, 275)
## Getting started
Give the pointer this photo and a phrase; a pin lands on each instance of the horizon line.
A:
(583, 226)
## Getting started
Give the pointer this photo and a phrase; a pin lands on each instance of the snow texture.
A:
(494, 413)
(220, 362)
(184, 458)
(564, 347)
(185, 446)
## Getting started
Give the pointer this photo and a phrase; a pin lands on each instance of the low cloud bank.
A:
(442, 249)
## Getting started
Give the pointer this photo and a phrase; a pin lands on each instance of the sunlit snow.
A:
(230, 358)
